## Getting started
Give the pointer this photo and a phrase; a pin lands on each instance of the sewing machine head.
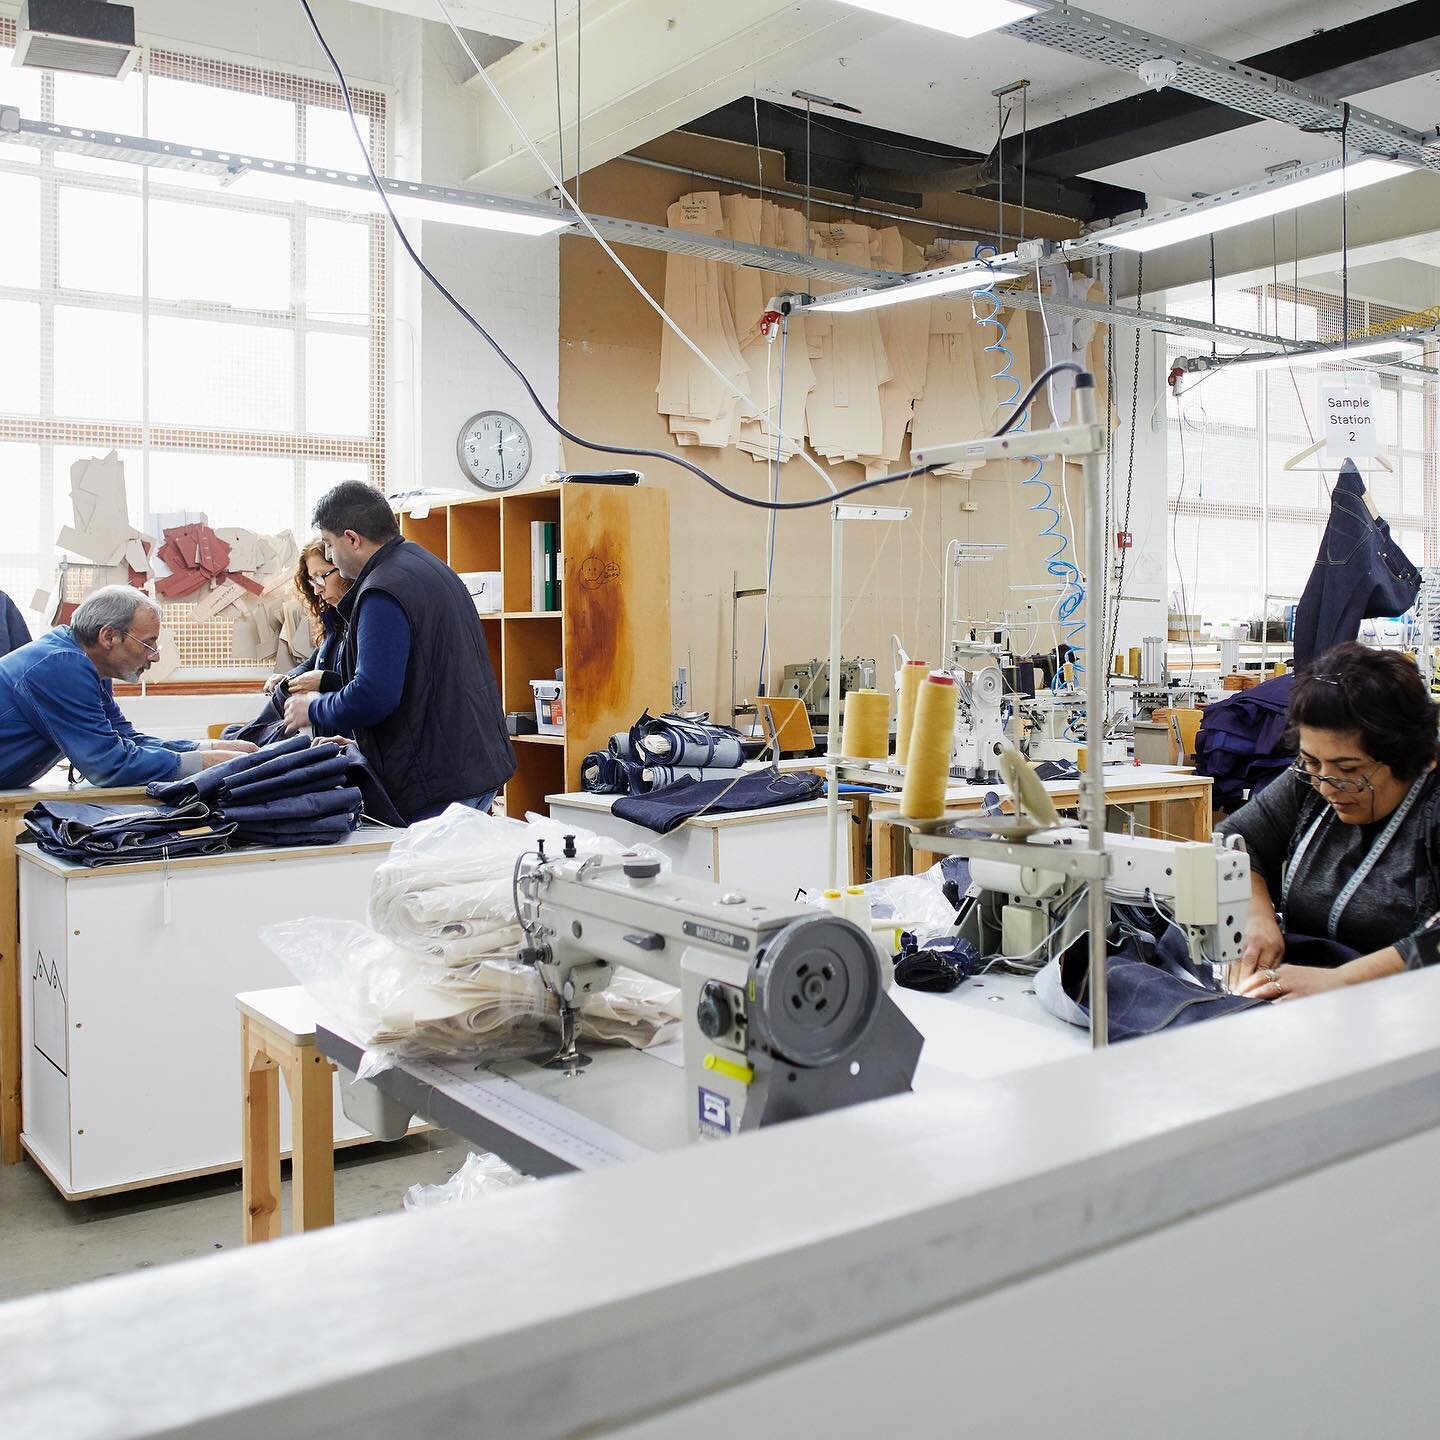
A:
(784, 1011)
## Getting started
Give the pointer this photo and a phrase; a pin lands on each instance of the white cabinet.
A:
(130, 1037)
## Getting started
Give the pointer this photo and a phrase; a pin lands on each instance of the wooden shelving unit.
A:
(612, 636)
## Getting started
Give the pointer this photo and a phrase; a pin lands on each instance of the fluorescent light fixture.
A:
(339, 190)
(956, 17)
(1400, 347)
(1273, 196)
(844, 301)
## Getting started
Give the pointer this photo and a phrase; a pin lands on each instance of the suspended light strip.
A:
(1273, 196)
(975, 278)
(1329, 355)
(288, 183)
(339, 190)
(956, 17)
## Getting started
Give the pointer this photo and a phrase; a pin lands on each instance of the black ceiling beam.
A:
(861, 161)
(1397, 44)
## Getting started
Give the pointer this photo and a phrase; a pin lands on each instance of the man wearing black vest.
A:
(419, 697)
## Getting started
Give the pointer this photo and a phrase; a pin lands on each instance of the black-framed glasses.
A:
(154, 653)
(1342, 784)
(317, 582)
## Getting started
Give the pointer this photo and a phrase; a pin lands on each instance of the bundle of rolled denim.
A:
(658, 750)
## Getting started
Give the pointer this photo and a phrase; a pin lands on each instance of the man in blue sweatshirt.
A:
(57, 700)
(419, 698)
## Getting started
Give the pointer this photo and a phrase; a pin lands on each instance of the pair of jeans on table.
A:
(668, 809)
(1360, 573)
(115, 834)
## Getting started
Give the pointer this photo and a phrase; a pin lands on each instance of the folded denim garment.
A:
(313, 832)
(325, 776)
(668, 809)
(109, 827)
(115, 834)
(208, 783)
(296, 810)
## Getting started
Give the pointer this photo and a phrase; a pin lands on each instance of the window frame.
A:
(45, 429)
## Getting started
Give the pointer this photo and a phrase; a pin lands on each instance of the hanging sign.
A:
(1349, 413)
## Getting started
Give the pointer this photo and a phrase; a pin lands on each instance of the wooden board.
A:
(616, 546)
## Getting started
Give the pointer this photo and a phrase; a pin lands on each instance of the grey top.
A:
(1397, 899)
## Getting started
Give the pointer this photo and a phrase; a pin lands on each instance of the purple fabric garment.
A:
(1241, 743)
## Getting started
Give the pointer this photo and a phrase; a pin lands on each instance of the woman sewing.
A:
(1344, 853)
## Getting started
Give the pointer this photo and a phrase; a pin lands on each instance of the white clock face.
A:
(494, 450)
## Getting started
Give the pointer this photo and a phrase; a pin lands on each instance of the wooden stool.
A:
(277, 1035)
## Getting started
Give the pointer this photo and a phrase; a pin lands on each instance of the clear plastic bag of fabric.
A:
(482, 1174)
(906, 902)
(447, 886)
(398, 1002)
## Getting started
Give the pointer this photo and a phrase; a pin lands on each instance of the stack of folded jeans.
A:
(120, 834)
(658, 750)
(292, 793)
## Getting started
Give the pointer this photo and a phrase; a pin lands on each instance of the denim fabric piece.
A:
(208, 783)
(281, 762)
(482, 803)
(325, 775)
(1359, 573)
(111, 834)
(1241, 742)
(680, 740)
(274, 837)
(1150, 982)
(602, 773)
(360, 774)
(108, 828)
(294, 808)
(1057, 770)
(666, 810)
(215, 841)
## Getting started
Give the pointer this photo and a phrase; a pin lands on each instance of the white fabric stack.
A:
(437, 973)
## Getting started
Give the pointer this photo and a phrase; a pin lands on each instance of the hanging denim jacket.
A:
(1359, 573)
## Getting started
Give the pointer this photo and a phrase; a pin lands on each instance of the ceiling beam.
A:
(508, 19)
(649, 66)
(857, 160)
(1397, 44)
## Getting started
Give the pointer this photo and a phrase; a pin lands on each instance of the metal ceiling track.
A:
(796, 267)
(1224, 82)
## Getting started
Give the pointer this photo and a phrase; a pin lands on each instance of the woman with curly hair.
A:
(320, 587)
(1345, 847)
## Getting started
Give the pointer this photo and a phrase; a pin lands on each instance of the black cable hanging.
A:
(553, 421)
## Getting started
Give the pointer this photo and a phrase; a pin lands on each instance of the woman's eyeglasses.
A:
(1342, 784)
(317, 582)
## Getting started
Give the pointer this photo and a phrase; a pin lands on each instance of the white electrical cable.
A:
(600, 240)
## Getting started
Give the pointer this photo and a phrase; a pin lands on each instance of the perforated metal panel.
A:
(1225, 82)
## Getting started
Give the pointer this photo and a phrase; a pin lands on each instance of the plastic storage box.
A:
(549, 706)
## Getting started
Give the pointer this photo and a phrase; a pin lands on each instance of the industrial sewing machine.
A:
(1026, 910)
(785, 1013)
(810, 681)
(1055, 727)
(980, 714)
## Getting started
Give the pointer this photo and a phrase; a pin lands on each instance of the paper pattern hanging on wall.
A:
(853, 385)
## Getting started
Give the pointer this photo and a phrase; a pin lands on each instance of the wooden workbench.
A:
(13, 805)
(1182, 798)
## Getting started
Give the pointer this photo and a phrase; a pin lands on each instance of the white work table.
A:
(781, 849)
(874, 1271)
(128, 981)
(631, 1103)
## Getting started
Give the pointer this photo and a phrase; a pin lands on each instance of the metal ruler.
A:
(544, 1123)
